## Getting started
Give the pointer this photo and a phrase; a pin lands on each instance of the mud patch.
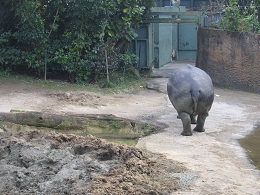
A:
(252, 145)
(50, 163)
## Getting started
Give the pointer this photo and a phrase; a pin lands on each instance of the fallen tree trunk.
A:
(105, 125)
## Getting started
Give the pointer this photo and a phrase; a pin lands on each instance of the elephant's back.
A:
(189, 73)
(184, 80)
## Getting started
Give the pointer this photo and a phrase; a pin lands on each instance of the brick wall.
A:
(232, 59)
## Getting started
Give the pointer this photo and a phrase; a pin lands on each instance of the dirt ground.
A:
(211, 162)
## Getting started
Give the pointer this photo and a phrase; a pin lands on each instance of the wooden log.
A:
(106, 125)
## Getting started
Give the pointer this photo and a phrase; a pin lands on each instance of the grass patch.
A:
(128, 83)
(13, 110)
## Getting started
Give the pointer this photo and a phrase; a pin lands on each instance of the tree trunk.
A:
(108, 125)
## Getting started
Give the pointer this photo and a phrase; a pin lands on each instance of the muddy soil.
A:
(49, 163)
(214, 161)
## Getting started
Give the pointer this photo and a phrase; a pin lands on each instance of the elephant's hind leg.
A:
(200, 123)
(186, 122)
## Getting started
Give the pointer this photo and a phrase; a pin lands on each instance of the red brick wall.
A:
(232, 59)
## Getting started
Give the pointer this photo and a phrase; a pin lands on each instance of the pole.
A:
(107, 66)
(45, 68)
(258, 14)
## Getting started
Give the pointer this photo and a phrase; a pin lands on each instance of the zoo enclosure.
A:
(167, 33)
(170, 33)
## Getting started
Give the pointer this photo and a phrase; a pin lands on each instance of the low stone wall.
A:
(232, 59)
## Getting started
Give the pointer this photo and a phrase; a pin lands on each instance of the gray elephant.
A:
(191, 92)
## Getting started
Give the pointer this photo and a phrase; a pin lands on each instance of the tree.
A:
(68, 35)
(236, 15)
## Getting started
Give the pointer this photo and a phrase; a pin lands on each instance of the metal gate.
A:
(187, 41)
(141, 46)
(168, 33)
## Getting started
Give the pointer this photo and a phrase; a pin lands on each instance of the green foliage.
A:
(240, 18)
(237, 16)
(70, 36)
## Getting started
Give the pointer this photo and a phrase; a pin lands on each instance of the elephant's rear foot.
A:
(185, 133)
(199, 129)
(186, 123)
(200, 123)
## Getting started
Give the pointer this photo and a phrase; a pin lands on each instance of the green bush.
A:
(234, 15)
(240, 18)
(69, 36)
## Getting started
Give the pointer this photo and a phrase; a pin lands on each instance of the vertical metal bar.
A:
(178, 41)
(45, 65)
(136, 53)
(258, 13)
(191, 3)
(107, 66)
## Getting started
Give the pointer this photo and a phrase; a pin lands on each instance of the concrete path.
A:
(217, 163)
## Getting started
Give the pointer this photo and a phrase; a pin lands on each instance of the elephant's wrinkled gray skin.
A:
(191, 92)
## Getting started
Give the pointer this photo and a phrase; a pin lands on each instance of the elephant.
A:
(191, 93)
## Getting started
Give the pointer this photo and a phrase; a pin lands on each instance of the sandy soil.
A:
(217, 164)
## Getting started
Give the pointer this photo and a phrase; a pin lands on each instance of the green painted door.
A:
(142, 52)
(140, 47)
(187, 41)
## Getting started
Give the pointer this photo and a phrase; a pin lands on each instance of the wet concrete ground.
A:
(215, 155)
(251, 143)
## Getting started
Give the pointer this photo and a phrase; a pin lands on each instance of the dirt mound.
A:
(50, 163)
(80, 98)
